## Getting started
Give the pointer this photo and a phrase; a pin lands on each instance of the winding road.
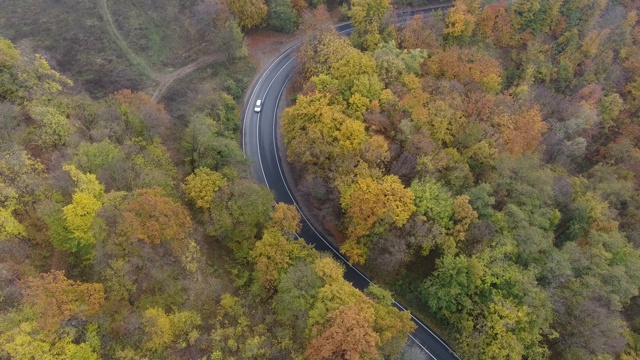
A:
(259, 143)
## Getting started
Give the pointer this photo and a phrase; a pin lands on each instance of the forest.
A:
(481, 162)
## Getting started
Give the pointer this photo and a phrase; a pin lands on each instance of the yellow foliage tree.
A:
(271, 255)
(9, 226)
(250, 13)
(460, 22)
(202, 185)
(317, 133)
(367, 16)
(370, 201)
(286, 218)
(78, 228)
(80, 215)
(86, 183)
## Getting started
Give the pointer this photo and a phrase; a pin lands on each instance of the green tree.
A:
(282, 16)
(434, 201)
(52, 126)
(92, 157)
(295, 297)
(450, 288)
(205, 144)
(239, 213)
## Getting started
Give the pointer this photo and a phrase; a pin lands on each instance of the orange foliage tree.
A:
(416, 34)
(348, 334)
(143, 117)
(56, 299)
(154, 218)
(467, 65)
(521, 132)
(494, 23)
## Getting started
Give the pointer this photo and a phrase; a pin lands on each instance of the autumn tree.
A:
(464, 215)
(460, 22)
(417, 34)
(348, 335)
(52, 127)
(494, 22)
(250, 13)
(234, 334)
(163, 329)
(26, 341)
(315, 22)
(391, 324)
(286, 218)
(11, 64)
(202, 185)
(22, 81)
(370, 202)
(21, 177)
(368, 18)
(152, 217)
(317, 132)
(467, 65)
(77, 227)
(272, 257)
(56, 299)
(521, 132)
(142, 117)
(273, 254)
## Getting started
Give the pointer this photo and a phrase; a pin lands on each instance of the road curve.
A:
(259, 143)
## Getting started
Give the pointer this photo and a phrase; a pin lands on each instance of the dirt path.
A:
(135, 59)
(170, 78)
(164, 80)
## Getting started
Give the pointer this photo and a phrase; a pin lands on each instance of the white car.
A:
(258, 106)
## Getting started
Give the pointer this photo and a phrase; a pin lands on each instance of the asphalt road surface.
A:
(259, 143)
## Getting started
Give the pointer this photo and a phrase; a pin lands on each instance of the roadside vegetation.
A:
(482, 162)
